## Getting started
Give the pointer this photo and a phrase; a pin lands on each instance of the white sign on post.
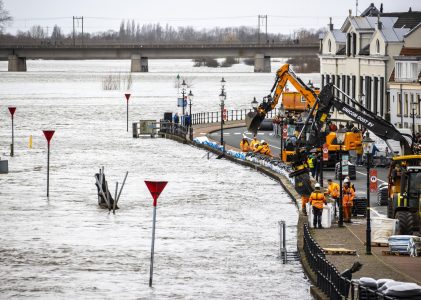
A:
(345, 169)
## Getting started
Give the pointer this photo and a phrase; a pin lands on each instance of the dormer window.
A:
(377, 46)
(329, 46)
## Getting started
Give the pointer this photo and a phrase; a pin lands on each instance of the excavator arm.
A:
(358, 113)
(283, 75)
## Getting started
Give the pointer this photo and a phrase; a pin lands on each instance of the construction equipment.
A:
(404, 181)
(404, 192)
(285, 74)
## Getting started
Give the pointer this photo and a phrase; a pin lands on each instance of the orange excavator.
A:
(352, 140)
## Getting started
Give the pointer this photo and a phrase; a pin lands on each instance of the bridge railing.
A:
(231, 115)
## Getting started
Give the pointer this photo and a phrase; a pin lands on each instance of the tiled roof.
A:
(339, 36)
(394, 34)
(405, 19)
(410, 51)
(370, 23)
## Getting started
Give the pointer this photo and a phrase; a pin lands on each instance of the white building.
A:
(359, 57)
(405, 83)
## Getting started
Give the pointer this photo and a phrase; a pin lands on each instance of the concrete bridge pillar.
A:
(139, 64)
(17, 64)
(262, 64)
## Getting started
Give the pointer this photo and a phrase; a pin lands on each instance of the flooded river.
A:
(217, 234)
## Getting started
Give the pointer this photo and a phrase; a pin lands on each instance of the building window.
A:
(405, 125)
(329, 46)
(377, 46)
(399, 104)
(406, 71)
(419, 106)
(419, 128)
(354, 44)
(406, 107)
(348, 44)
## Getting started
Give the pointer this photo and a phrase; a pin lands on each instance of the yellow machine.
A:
(404, 190)
(284, 74)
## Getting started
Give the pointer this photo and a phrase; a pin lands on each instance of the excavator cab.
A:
(405, 192)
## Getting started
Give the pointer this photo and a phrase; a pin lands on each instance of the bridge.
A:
(17, 54)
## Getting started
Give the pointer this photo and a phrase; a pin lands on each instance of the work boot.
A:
(320, 227)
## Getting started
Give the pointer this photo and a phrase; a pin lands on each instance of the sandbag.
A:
(388, 285)
(404, 290)
(381, 282)
(368, 282)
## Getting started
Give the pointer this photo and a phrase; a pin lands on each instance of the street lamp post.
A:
(281, 124)
(183, 92)
(367, 142)
(190, 96)
(340, 135)
(222, 98)
(413, 108)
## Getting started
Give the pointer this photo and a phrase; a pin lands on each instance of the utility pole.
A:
(74, 35)
(262, 19)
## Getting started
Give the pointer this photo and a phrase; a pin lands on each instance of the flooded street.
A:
(217, 231)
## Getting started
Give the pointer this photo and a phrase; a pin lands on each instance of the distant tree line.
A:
(132, 32)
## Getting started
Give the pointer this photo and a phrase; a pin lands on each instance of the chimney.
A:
(381, 8)
(330, 24)
(379, 23)
(410, 9)
(350, 13)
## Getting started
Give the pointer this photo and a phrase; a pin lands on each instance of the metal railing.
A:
(174, 129)
(231, 115)
(329, 280)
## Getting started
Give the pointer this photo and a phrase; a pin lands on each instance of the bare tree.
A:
(56, 34)
(5, 18)
(37, 32)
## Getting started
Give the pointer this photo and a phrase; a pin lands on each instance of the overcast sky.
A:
(101, 15)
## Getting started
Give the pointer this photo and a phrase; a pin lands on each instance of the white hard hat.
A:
(262, 141)
(317, 185)
(346, 180)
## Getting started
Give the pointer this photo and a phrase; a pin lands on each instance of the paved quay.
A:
(350, 236)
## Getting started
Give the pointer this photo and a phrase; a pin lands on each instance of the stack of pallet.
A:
(405, 244)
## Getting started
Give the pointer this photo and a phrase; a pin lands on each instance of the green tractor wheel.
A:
(406, 222)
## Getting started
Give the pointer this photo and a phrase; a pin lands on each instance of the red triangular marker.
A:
(12, 110)
(155, 187)
(127, 96)
(48, 135)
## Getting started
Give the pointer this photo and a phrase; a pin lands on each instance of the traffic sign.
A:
(127, 96)
(12, 110)
(48, 135)
(155, 188)
(373, 181)
(325, 152)
(225, 115)
(285, 132)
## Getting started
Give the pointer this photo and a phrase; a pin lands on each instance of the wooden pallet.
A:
(388, 253)
(339, 251)
(373, 244)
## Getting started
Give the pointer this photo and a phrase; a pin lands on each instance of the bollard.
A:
(282, 241)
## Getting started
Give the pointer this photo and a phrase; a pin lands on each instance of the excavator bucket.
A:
(253, 121)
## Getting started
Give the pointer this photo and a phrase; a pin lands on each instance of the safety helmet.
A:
(262, 141)
(346, 180)
(317, 186)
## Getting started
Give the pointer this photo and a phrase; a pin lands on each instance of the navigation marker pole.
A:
(48, 135)
(12, 110)
(127, 101)
(155, 188)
